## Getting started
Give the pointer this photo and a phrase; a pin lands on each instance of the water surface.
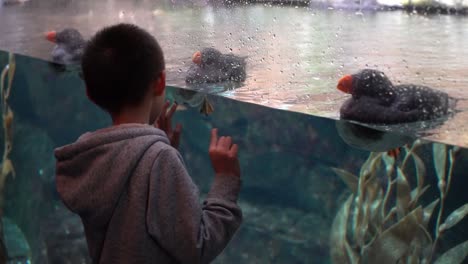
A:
(295, 54)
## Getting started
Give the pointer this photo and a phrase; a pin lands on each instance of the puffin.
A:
(69, 46)
(212, 66)
(375, 100)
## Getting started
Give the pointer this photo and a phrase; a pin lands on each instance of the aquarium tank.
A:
(323, 181)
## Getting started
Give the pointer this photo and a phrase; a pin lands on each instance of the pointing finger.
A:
(233, 151)
(171, 111)
(214, 138)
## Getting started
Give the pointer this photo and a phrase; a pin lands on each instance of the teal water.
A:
(290, 194)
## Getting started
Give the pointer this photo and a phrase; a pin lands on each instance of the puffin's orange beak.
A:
(196, 57)
(345, 84)
(51, 36)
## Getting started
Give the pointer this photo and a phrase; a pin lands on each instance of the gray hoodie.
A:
(137, 202)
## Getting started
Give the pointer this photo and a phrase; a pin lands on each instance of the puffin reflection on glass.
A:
(376, 101)
(370, 139)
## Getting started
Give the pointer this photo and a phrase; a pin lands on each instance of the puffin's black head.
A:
(206, 57)
(367, 82)
(69, 37)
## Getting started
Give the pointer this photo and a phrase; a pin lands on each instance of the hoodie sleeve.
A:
(191, 232)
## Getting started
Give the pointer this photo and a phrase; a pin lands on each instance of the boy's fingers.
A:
(162, 115)
(162, 119)
(176, 135)
(233, 151)
(168, 125)
(177, 131)
(178, 128)
(164, 109)
(214, 138)
(171, 111)
(225, 142)
(157, 121)
(162, 122)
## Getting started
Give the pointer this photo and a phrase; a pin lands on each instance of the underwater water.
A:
(296, 54)
(307, 187)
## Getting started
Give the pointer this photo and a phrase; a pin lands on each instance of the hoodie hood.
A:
(92, 172)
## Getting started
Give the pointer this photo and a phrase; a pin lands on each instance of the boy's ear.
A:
(160, 84)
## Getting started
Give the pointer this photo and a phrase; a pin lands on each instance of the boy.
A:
(128, 184)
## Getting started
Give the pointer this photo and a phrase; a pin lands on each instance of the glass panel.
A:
(313, 185)
(301, 195)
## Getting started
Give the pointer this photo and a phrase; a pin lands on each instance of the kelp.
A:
(7, 168)
(386, 223)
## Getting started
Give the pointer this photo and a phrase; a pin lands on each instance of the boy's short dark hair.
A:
(119, 64)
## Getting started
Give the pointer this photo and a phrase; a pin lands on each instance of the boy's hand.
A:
(164, 122)
(223, 155)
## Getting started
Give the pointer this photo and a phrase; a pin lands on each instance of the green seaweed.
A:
(372, 228)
